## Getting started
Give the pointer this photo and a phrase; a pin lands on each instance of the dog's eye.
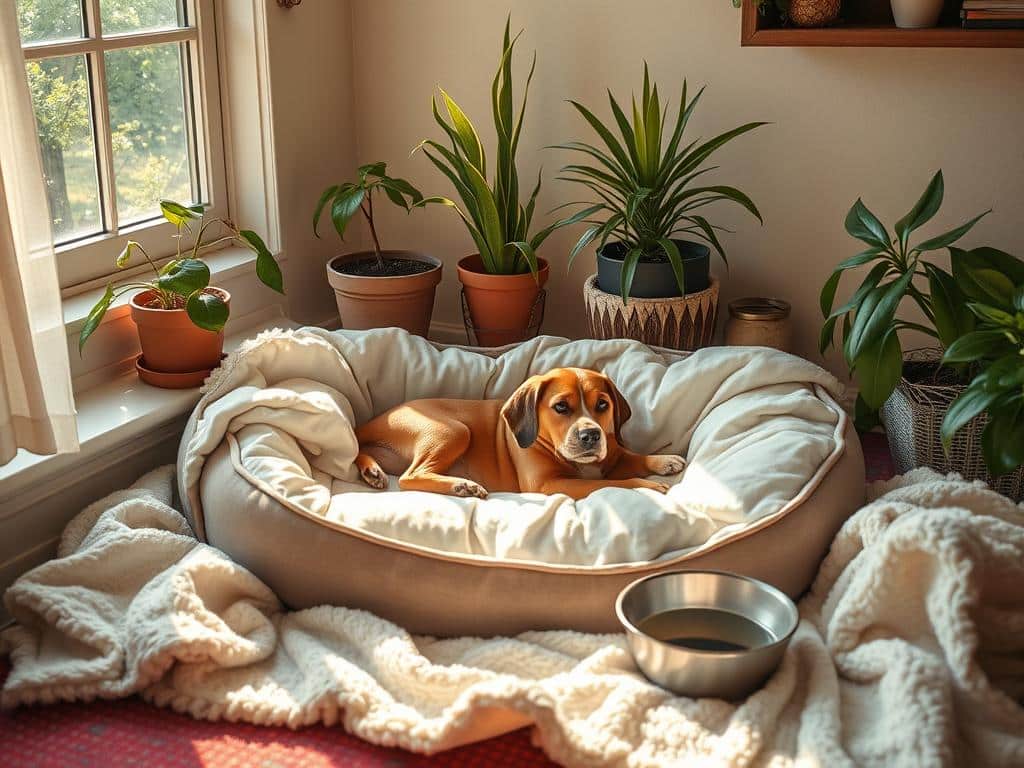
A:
(561, 407)
(602, 406)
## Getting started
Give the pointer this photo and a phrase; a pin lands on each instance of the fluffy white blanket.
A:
(910, 651)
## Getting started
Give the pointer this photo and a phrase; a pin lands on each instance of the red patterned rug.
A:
(124, 733)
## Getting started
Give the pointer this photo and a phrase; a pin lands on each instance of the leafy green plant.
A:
(183, 281)
(492, 212)
(870, 329)
(993, 282)
(644, 182)
(352, 196)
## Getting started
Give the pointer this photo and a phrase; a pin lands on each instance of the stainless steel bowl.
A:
(682, 666)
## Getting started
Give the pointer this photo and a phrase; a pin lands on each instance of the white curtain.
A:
(37, 410)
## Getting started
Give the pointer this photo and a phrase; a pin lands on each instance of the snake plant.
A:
(643, 182)
(498, 222)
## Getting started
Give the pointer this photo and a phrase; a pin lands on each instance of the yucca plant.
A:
(644, 182)
(870, 329)
(498, 222)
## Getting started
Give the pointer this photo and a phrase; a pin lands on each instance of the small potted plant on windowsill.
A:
(378, 288)
(503, 280)
(651, 285)
(180, 317)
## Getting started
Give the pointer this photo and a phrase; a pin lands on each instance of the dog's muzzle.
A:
(585, 445)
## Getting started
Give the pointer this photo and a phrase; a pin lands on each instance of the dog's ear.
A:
(520, 411)
(622, 409)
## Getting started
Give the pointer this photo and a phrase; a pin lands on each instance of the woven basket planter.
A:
(912, 417)
(681, 322)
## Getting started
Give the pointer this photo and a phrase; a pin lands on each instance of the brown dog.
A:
(558, 433)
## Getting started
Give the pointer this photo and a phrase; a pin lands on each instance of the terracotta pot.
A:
(366, 302)
(171, 343)
(500, 306)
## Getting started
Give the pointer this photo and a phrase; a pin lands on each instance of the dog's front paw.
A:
(374, 477)
(467, 488)
(666, 464)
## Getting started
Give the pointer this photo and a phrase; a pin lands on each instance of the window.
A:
(128, 112)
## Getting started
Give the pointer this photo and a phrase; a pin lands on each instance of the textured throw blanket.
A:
(910, 651)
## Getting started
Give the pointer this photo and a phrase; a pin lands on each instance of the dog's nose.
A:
(589, 438)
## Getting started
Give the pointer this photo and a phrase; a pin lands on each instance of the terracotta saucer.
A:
(171, 380)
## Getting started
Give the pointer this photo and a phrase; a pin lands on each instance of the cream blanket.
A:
(910, 651)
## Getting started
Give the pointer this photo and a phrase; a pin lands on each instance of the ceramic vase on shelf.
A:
(916, 14)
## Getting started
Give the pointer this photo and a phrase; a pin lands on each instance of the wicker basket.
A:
(682, 322)
(913, 418)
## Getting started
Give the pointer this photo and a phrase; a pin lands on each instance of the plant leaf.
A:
(948, 238)
(974, 346)
(372, 169)
(186, 277)
(879, 367)
(95, 316)
(952, 318)
(126, 255)
(629, 263)
(969, 404)
(267, 269)
(923, 210)
(987, 275)
(176, 213)
(676, 261)
(828, 294)
(875, 316)
(327, 195)
(344, 208)
(207, 311)
(865, 226)
(1002, 440)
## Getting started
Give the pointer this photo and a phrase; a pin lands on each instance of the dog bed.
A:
(266, 474)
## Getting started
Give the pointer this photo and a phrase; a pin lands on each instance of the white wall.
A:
(847, 122)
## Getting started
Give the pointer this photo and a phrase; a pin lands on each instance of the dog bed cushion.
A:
(270, 449)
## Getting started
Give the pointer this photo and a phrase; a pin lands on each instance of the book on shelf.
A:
(993, 5)
(996, 15)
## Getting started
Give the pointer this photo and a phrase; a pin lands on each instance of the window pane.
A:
(42, 21)
(121, 16)
(60, 97)
(149, 129)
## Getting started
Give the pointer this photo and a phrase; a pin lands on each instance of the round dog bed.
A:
(266, 475)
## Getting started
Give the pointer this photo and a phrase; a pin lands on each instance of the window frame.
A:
(88, 261)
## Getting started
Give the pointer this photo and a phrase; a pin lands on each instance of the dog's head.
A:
(569, 411)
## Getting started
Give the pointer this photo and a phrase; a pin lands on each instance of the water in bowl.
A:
(706, 629)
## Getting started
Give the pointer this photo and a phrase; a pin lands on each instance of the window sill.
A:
(115, 412)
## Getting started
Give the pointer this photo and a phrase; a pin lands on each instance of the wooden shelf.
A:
(870, 24)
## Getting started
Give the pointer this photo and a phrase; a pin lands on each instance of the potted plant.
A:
(180, 317)
(378, 288)
(502, 281)
(646, 198)
(911, 394)
(993, 282)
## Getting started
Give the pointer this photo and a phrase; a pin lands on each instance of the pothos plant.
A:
(357, 196)
(993, 283)
(183, 282)
(900, 271)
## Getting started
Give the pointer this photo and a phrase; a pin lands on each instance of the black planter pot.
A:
(655, 280)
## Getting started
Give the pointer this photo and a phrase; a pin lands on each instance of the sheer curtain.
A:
(37, 410)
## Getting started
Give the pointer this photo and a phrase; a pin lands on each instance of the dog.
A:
(559, 432)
